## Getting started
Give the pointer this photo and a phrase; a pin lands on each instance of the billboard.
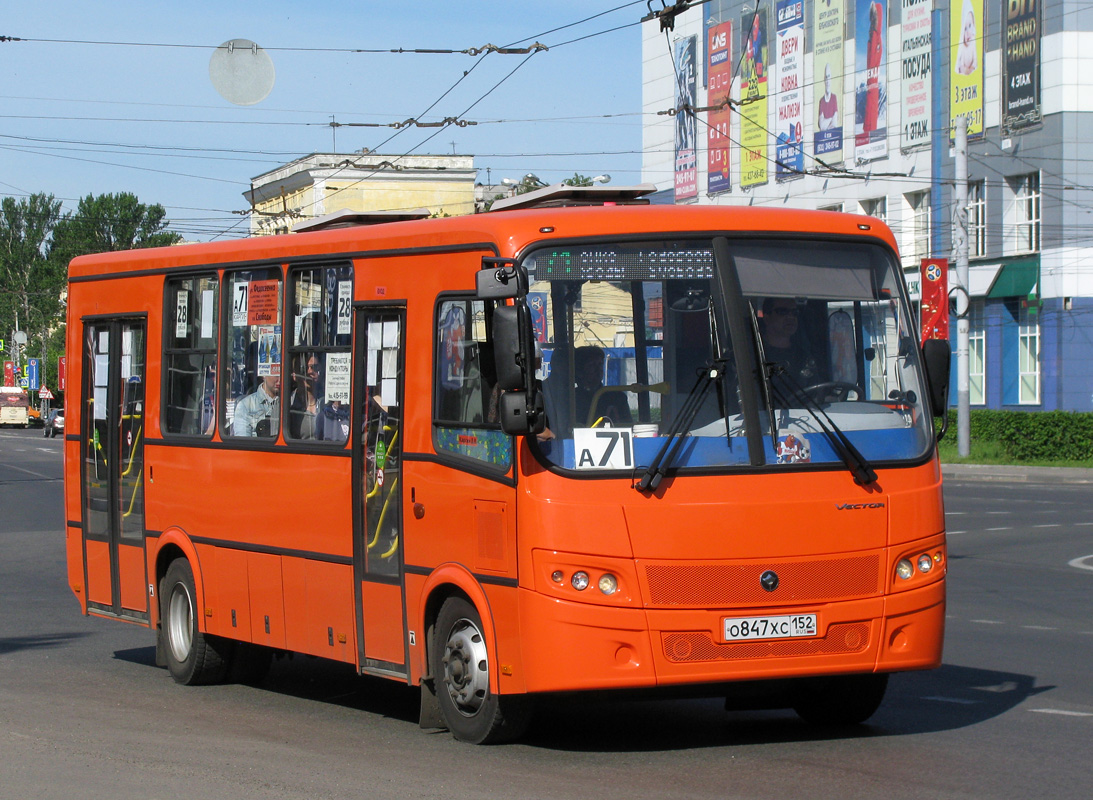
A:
(754, 66)
(966, 57)
(916, 92)
(1021, 67)
(827, 67)
(790, 82)
(870, 82)
(719, 66)
(686, 165)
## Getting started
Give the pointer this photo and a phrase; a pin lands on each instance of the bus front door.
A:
(377, 459)
(112, 445)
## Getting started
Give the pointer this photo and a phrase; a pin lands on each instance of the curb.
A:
(1016, 474)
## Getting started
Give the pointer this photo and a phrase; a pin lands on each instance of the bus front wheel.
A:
(461, 668)
(840, 699)
(192, 657)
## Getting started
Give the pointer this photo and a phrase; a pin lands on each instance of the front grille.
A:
(849, 637)
(720, 585)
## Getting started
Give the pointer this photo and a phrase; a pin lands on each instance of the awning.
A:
(1016, 278)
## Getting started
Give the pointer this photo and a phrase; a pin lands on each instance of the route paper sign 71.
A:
(603, 448)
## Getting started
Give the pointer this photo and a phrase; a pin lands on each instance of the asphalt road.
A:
(85, 713)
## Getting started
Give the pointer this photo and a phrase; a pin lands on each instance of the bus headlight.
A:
(580, 580)
(925, 563)
(608, 583)
(905, 569)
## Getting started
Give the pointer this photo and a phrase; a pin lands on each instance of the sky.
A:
(107, 97)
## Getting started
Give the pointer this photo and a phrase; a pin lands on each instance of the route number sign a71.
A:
(603, 448)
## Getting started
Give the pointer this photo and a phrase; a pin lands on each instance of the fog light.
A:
(925, 563)
(557, 576)
(608, 584)
(580, 581)
(937, 557)
(905, 569)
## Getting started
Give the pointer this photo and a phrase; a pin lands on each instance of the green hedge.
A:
(1033, 435)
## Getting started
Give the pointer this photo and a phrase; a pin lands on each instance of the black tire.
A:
(192, 657)
(461, 670)
(840, 700)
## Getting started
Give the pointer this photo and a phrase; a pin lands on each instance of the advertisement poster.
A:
(871, 82)
(966, 56)
(686, 167)
(1021, 67)
(753, 98)
(789, 132)
(935, 298)
(828, 67)
(916, 95)
(719, 70)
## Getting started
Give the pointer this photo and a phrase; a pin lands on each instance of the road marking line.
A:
(1053, 525)
(1038, 628)
(1079, 563)
(957, 700)
(1081, 523)
(1060, 712)
(988, 621)
(953, 533)
(998, 529)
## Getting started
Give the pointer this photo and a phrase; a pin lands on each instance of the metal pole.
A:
(960, 245)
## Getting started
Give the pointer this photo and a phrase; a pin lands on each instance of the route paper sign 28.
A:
(603, 448)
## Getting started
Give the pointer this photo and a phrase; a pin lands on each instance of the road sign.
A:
(45, 393)
(32, 373)
(23, 383)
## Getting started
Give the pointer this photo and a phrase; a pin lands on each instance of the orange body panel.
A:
(269, 532)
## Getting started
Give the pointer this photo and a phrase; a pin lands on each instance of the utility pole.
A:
(960, 245)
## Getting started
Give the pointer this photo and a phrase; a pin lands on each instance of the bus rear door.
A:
(112, 443)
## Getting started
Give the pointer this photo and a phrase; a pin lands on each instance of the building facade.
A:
(850, 105)
(323, 183)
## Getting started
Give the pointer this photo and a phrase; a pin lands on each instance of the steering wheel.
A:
(834, 391)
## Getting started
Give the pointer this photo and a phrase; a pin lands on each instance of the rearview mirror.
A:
(937, 357)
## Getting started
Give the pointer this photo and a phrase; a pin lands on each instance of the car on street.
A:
(55, 423)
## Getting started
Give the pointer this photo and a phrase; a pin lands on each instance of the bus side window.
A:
(189, 356)
(466, 413)
(252, 399)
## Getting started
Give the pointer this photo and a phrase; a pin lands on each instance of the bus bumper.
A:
(572, 646)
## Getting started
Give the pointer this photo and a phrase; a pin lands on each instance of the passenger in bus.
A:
(259, 414)
(781, 343)
(307, 399)
(611, 406)
(332, 423)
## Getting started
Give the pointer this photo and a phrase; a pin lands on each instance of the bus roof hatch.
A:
(560, 194)
(349, 219)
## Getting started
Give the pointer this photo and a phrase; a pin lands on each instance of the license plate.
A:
(743, 628)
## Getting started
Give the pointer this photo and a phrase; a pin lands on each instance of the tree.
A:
(31, 283)
(111, 222)
(578, 180)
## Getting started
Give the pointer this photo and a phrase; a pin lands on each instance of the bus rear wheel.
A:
(840, 699)
(461, 669)
(192, 657)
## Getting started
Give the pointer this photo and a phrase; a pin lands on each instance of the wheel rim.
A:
(180, 620)
(466, 667)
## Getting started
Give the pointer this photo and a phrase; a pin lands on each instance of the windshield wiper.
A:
(764, 379)
(859, 466)
(708, 376)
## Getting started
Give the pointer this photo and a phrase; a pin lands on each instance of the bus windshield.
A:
(636, 343)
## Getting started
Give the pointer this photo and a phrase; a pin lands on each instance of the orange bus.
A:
(576, 443)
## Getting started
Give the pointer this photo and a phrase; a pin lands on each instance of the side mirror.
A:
(500, 279)
(936, 357)
(510, 344)
(522, 415)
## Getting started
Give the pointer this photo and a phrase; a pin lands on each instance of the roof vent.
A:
(351, 219)
(560, 194)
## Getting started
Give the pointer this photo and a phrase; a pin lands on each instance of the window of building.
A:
(1024, 216)
(918, 244)
(877, 207)
(838, 207)
(319, 354)
(252, 397)
(977, 353)
(466, 394)
(977, 219)
(189, 355)
(1028, 354)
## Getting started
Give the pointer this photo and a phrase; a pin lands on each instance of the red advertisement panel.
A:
(935, 298)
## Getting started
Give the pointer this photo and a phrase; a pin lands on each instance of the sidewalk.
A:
(1016, 474)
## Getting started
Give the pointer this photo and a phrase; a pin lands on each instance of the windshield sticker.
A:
(604, 448)
(794, 450)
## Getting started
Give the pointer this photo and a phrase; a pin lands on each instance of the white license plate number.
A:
(737, 629)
